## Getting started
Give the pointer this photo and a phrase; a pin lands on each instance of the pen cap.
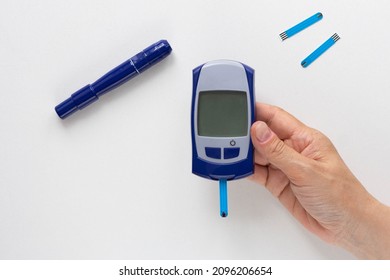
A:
(151, 55)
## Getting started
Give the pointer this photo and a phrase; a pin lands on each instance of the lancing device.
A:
(117, 76)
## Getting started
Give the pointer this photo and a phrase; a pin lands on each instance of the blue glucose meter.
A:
(223, 109)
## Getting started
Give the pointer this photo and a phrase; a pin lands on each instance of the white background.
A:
(114, 180)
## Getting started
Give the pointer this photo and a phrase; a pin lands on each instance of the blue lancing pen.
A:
(320, 50)
(300, 26)
(114, 78)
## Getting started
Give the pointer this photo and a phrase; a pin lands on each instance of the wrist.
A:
(367, 233)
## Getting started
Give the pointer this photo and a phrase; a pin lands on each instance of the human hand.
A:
(301, 167)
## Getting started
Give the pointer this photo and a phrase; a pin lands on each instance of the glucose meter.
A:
(223, 108)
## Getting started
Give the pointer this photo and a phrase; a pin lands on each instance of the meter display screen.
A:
(222, 113)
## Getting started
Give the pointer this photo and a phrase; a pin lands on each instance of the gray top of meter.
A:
(222, 122)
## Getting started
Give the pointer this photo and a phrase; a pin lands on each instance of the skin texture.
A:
(301, 167)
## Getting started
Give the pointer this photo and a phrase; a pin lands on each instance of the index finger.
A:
(281, 122)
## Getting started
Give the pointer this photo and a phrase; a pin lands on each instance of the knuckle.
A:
(319, 135)
(278, 109)
(277, 112)
(278, 148)
(323, 140)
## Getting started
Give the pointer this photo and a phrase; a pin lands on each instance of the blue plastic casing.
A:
(234, 169)
(117, 76)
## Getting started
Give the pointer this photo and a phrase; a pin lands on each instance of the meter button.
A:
(213, 152)
(231, 153)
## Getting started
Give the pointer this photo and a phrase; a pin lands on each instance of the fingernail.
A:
(263, 133)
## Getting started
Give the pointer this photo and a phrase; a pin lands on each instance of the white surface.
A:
(114, 180)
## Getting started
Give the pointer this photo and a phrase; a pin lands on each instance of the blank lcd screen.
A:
(222, 113)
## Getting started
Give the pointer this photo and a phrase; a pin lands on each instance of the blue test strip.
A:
(223, 198)
(300, 26)
(320, 50)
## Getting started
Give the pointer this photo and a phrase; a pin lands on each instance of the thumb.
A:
(277, 153)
